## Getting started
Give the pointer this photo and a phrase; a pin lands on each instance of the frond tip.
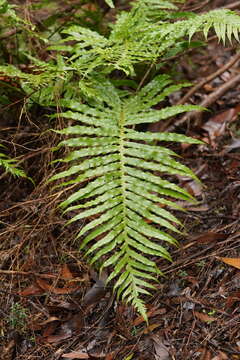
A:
(125, 194)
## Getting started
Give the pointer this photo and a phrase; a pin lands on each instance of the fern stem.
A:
(122, 168)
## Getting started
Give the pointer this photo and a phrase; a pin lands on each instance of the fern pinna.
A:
(116, 170)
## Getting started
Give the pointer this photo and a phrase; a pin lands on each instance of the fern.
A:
(117, 186)
(10, 165)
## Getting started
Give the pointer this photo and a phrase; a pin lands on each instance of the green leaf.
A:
(118, 192)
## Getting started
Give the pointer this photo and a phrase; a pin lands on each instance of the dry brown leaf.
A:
(204, 317)
(210, 237)
(95, 293)
(152, 312)
(206, 355)
(56, 290)
(217, 124)
(232, 299)
(235, 262)
(83, 355)
(57, 338)
(66, 273)
(193, 188)
(49, 320)
(150, 328)
(161, 348)
(221, 356)
(31, 290)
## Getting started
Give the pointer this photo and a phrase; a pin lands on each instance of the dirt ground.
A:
(54, 306)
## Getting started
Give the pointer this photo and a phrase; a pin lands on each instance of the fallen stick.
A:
(209, 78)
(209, 100)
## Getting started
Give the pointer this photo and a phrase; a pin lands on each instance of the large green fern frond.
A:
(120, 186)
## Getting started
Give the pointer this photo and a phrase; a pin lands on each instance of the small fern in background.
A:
(10, 165)
(115, 168)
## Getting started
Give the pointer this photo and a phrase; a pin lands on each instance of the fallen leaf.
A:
(49, 320)
(94, 294)
(150, 328)
(66, 273)
(83, 355)
(232, 299)
(50, 329)
(216, 125)
(221, 356)
(235, 144)
(161, 348)
(152, 312)
(204, 317)
(235, 262)
(31, 290)
(56, 290)
(209, 237)
(57, 338)
(206, 355)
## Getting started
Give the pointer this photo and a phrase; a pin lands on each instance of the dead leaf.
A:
(150, 328)
(50, 329)
(56, 290)
(204, 317)
(206, 355)
(94, 294)
(235, 144)
(31, 290)
(152, 312)
(231, 300)
(57, 338)
(221, 356)
(161, 348)
(83, 355)
(7, 351)
(194, 188)
(217, 124)
(209, 237)
(66, 273)
(235, 262)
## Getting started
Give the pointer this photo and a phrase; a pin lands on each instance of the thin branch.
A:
(209, 78)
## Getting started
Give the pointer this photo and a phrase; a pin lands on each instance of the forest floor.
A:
(54, 306)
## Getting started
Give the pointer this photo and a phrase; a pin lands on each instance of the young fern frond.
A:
(116, 169)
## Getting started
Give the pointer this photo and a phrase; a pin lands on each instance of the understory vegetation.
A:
(105, 80)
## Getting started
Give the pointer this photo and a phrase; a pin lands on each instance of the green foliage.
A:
(115, 167)
(137, 37)
(10, 165)
(17, 317)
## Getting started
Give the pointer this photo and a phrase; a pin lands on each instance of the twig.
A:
(221, 90)
(209, 78)
(210, 99)
(232, 6)
(27, 273)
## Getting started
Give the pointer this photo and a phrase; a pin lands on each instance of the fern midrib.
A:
(125, 246)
